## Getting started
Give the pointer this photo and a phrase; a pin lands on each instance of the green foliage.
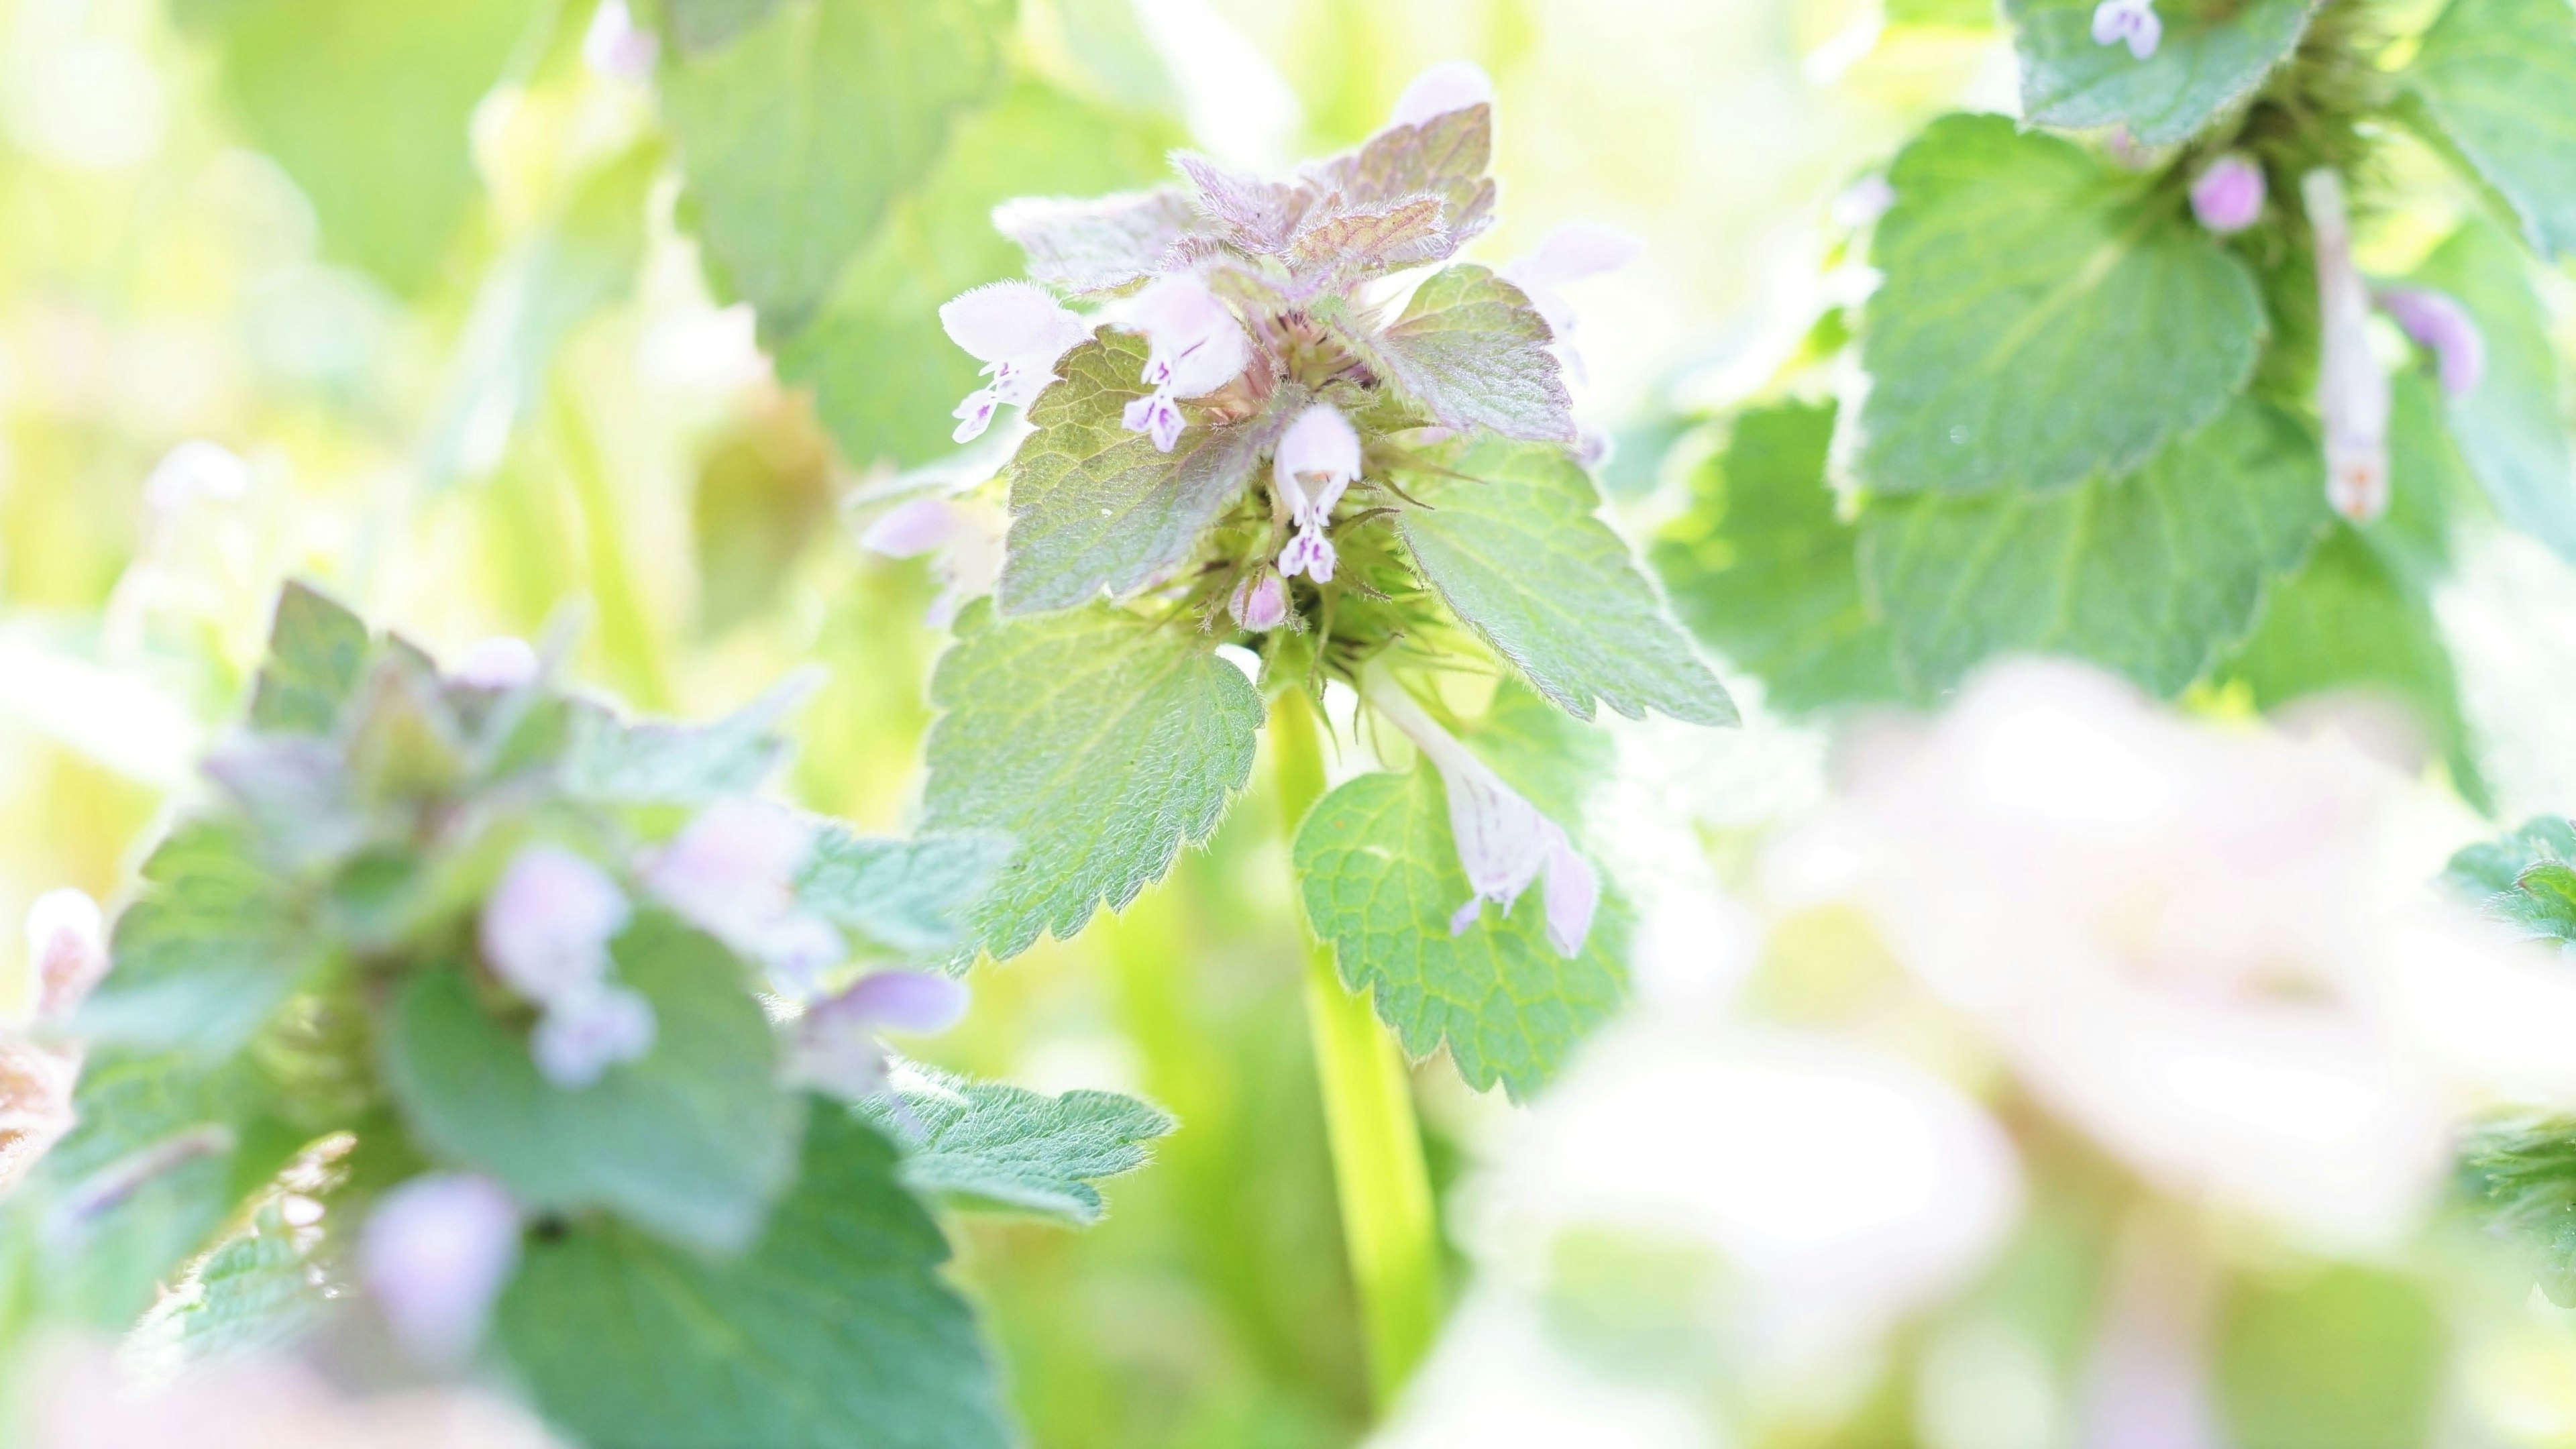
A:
(1473, 353)
(2211, 60)
(2493, 79)
(1100, 741)
(1764, 570)
(2044, 318)
(2511, 428)
(256, 1292)
(2527, 879)
(333, 90)
(2153, 575)
(1509, 539)
(835, 1327)
(790, 167)
(206, 955)
(691, 1140)
(994, 1146)
(1379, 873)
(2348, 1358)
(1094, 506)
(611, 761)
(317, 653)
(910, 898)
(2522, 1171)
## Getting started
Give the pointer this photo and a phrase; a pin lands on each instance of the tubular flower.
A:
(545, 931)
(1194, 346)
(836, 1047)
(2438, 321)
(2352, 392)
(1017, 330)
(66, 956)
(434, 1255)
(2132, 21)
(1504, 843)
(1570, 253)
(2228, 197)
(1318, 457)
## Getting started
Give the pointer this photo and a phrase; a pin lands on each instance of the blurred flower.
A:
(66, 956)
(836, 1049)
(587, 1030)
(194, 471)
(1503, 841)
(1452, 85)
(498, 663)
(616, 47)
(2180, 938)
(2132, 21)
(76, 1398)
(66, 949)
(1260, 602)
(967, 535)
(434, 1255)
(2228, 197)
(732, 872)
(2352, 392)
(2146, 1382)
(1194, 346)
(1017, 330)
(546, 926)
(1317, 458)
(2438, 321)
(1570, 253)
(1863, 202)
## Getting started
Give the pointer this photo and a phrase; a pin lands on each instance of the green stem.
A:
(1388, 1224)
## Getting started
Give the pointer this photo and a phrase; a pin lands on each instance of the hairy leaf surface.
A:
(2494, 78)
(2210, 60)
(995, 1146)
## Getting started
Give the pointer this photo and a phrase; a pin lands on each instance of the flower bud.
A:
(496, 663)
(2228, 197)
(2438, 321)
(66, 949)
(1260, 601)
(434, 1255)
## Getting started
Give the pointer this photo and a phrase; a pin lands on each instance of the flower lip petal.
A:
(1573, 893)
(1014, 321)
(1320, 448)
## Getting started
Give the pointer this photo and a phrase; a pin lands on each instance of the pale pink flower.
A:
(616, 47)
(1018, 330)
(1503, 842)
(1570, 253)
(2438, 321)
(1863, 202)
(2352, 391)
(434, 1255)
(967, 535)
(1452, 85)
(2228, 197)
(1317, 458)
(2132, 21)
(497, 663)
(1260, 602)
(732, 872)
(1194, 346)
(546, 926)
(78, 1398)
(836, 1047)
(585, 1031)
(66, 949)
(193, 472)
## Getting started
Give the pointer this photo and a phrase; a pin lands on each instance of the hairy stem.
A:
(1388, 1225)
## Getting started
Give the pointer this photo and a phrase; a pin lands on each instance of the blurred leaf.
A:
(834, 1328)
(2347, 622)
(691, 1141)
(367, 107)
(2493, 78)
(1095, 506)
(911, 897)
(255, 1293)
(695, 25)
(1948, 14)
(1764, 570)
(206, 955)
(2527, 879)
(1511, 542)
(763, 498)
(798, 133)
(652, 762)
(939, 241)
(2351, 1358)
(2523, 1171)
(2154, 575)
(995, 1146)
(1474, 353)
(2043, 318)
(2427, 479)
(1100, 741)
(1379, 874)
(317, 653)
(2510, 429)
(2210, 60)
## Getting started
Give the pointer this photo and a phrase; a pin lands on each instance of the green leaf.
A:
(2343, 1357)
(255, 1293)
(1474, 353)
(1511, 543)
(2043, 318)
(317, 654)
(937, 242)
(206, 956)
(2523, 1170)
(797, 134)
(614, 762)
(1094, 506)
(836, 1328)
(993, 1145)
(910, 897)
(2154, 575)
(1764, 570)
(2209, 62)
(1379, 873)
(1945, 14)
(1443, 156)
(1100, 741)
(691, 1141)
(1553, 760)
(696, 25)
(2348, 622)
(2510, 429)
(2527, 879)
(2494, 77)
(1094, 244)
(333, 89)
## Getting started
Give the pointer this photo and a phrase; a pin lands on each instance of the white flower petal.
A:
(546, 926)
(1015, 321)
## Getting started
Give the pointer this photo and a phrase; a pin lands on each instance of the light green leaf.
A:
(255, 1293)
(2510, 429)
(1944, 14)
(835, 1328)
(696, 25)
(317, 653)
(2043, 318)
(993, 1145)
(937, 242)
(206, 956)
(691, 1141)
(2526, 880)
(1379, 873)
(333, 89)
(2154, 575)
(1511, 543)
(2494, 78)
(2524, 1169)
(1764, 570)
(654, 762)
(910, 897)
(1094, 506)
(2210, 60)
(1474, 353)
(1100, 741)
(797, 134)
